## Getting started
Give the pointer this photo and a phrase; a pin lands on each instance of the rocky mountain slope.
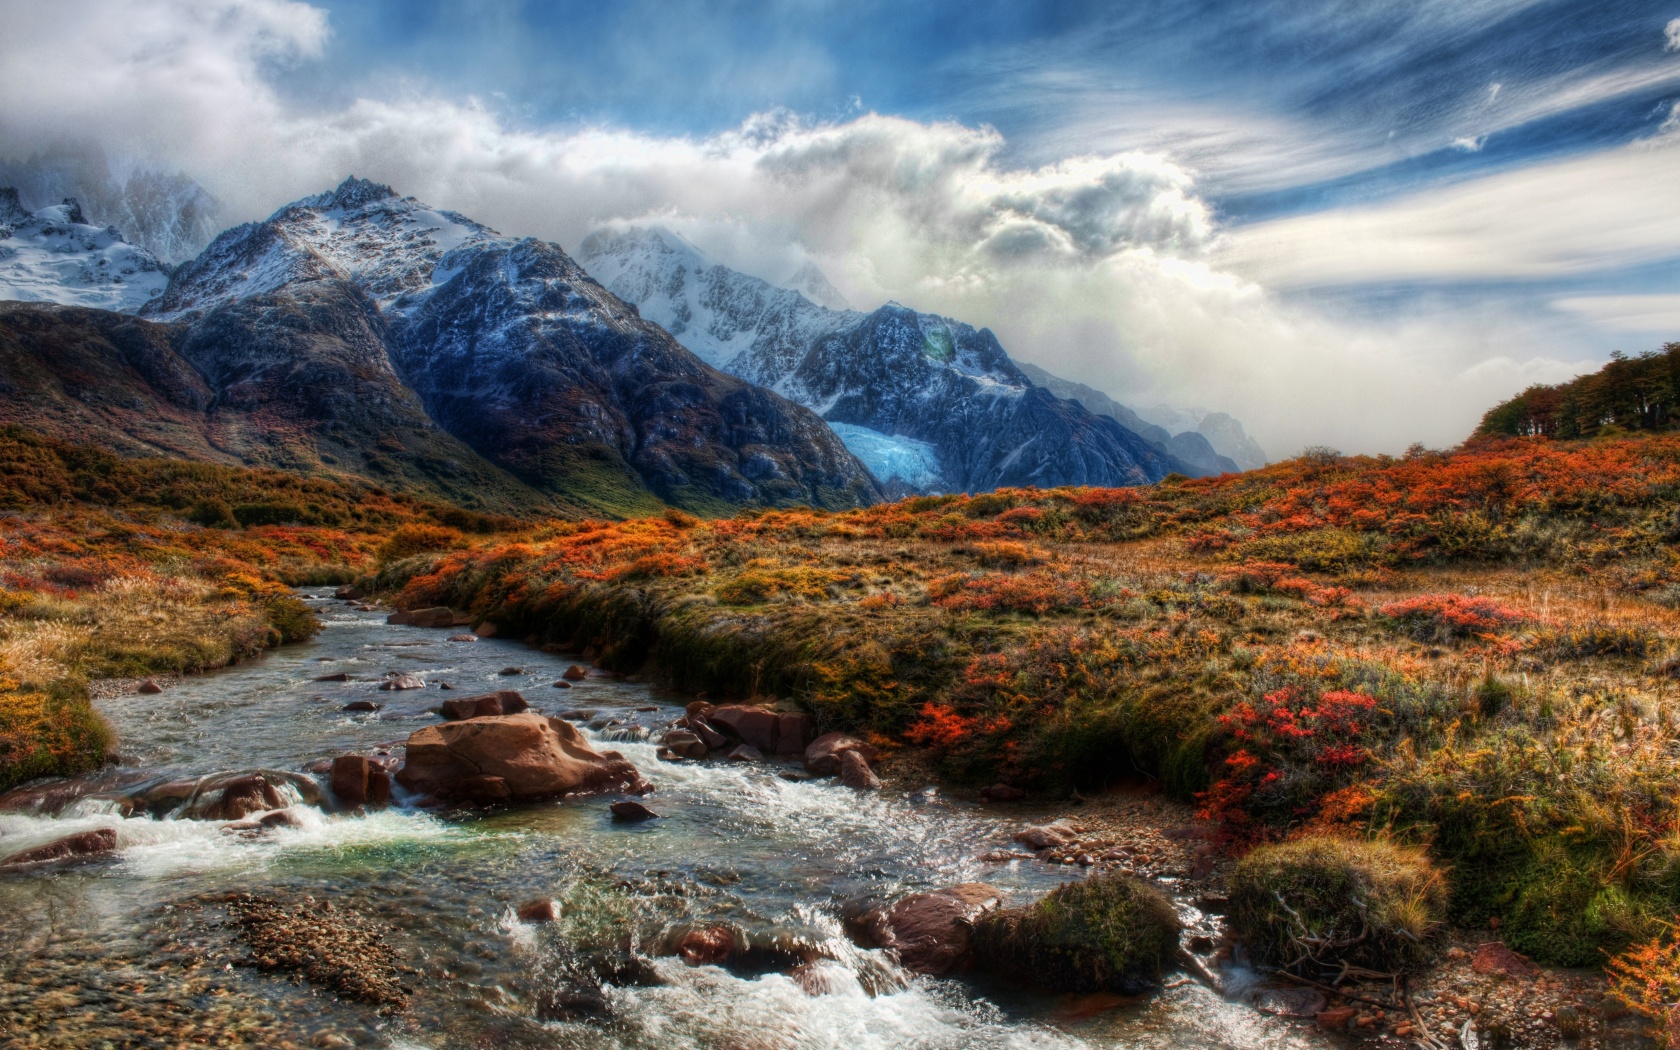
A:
(55, 255)
(513, 349)
(929, 403)
(298, 382)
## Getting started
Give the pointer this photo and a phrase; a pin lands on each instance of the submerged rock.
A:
(522, 756)
(361, 705)
(631, 812)
(335, 948)
(931, 933)
(228, 796)
(575, 673)
(149, 686)
(402, 681)
(340, 676)
(83, 845)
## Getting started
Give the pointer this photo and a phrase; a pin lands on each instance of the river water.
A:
(134, 951)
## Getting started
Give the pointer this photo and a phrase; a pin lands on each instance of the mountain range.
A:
(363, 333)
(928, 402)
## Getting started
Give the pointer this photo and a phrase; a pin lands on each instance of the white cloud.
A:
(1552, 220)
(1672, 34)
(1659, 314)
(1094, 263)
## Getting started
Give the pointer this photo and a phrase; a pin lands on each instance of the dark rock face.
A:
(297, 384)
(942, 382)
(1197, 453)
(521, 346)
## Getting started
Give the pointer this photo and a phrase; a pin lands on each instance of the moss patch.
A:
(1112, 933)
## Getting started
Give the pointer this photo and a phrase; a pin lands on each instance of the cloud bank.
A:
(1105, 267)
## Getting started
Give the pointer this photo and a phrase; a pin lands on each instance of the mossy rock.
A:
(1371, 904)
(1111, 933)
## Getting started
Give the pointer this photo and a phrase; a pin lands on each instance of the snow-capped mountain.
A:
(923, 400)
(169, 215)
(54, 255)
(512, 348)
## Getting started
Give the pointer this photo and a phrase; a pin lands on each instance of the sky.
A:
(1355, 224)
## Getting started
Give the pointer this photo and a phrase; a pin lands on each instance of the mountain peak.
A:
(351, 193)
(813, 284)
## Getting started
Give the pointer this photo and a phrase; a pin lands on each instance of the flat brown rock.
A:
(522, 756)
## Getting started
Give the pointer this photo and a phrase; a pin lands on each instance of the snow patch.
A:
(49, 257)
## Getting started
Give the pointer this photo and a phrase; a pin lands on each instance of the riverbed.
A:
(136, 950)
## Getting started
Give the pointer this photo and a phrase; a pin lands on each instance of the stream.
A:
(134, 950)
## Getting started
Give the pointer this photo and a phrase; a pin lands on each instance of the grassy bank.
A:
(1466, 650)
(115, 567)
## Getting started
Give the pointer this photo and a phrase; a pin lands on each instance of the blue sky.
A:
(1355, 223)
(1395, 95)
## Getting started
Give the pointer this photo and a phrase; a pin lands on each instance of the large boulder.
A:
(80, 846)
(822, 757)
(514, 757)
(501, 702)
(931, 933)
(770, 732)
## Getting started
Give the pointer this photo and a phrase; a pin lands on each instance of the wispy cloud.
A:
(1658, 315)
(1565, 218)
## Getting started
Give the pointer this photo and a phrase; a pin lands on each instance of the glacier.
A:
(890, 457)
